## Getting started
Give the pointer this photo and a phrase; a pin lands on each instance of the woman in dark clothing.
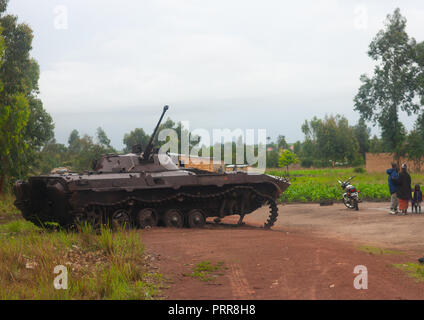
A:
(404, 189)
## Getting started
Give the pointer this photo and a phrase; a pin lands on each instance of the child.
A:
(417, 199)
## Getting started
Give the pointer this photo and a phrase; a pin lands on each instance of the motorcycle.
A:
(351, 195)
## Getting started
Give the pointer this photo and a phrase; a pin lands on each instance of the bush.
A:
(306, 163)
(320, 164)
(359, 170)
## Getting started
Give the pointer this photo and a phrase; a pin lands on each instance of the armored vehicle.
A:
(145, 188)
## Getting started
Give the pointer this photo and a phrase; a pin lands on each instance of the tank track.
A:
(95, 212)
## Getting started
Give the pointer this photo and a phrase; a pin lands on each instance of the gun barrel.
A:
(149, 147)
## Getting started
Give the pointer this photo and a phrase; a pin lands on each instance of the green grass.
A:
(378, 251)
(7, 208)
(18, 226)
(321, 184)
(414, 270)
(205, 271)
(109, 265)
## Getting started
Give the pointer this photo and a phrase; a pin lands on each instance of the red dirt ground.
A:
(310, 254)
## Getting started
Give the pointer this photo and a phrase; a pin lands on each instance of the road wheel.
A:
(173, 218)
(94, 217)
(196, 219)
(147, 218)
(121, 218)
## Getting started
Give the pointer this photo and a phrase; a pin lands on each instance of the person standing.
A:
(404, 192)
(417, 199)
(393, 187)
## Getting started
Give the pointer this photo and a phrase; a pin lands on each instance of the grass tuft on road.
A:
(414, 270)
(206, 271)
(378, 251)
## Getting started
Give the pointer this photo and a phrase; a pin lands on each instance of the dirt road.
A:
(311, 253)
(372, 224)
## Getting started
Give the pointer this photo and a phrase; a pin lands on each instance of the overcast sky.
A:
(218, 64)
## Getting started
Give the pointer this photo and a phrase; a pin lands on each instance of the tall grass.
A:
(7, 208)
(109, 265)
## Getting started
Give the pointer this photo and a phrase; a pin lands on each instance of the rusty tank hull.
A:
(145, 189)
(146, 198)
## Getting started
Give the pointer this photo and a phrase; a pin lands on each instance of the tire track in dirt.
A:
(239, 285)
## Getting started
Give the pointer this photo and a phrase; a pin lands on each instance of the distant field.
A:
(321, 184)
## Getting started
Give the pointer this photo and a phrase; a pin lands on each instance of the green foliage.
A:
(394, 83)
(321, 184)
(137, 136)
(18, 226)
(362, 135)
(306, 163)
(287, 158)
(89, 151)
(359, 170)
(376, 145)
(24, 124)
(331, 140)
(79, 154)
(7, 208)
(102, 138)
(53, 155)
(414, 147)
(418, 56)
(282, 143)
(272, 158)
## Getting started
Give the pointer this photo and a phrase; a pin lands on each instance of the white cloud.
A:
(249, 58)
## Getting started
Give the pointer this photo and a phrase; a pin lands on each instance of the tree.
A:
(3, 112)
(362, 135)
(281, 142)
(53, 155)
(287, 158)
(297, 147)
(82, 152)
(376, 145)
(418, 56)
(272, 159)
(74, 142)
(394, 83)
(329, 140)
(37, 133)
(24, 124)
(415, 148)
(102, 138)
(137, 136)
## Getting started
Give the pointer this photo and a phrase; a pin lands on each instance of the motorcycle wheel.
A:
(348, 203)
